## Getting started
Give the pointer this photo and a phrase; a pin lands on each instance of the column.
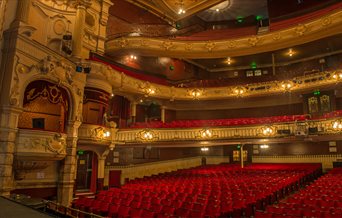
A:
(100, 172)
(162, 114)
(68, 168)
(133, 111)
(79, 27)
(8, 133)
(100, 48)
(23, 10)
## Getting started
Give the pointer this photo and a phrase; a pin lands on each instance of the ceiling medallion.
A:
(221, 6)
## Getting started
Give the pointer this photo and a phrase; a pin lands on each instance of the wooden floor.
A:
(10, 209)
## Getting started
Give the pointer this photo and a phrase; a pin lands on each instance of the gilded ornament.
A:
(123, 42)
(188, 46)
(210, 45)
(253, 41)
(167, 45)
(231, 44)
(326, 21)
(301, 29)
(277, 37)
(59, 27)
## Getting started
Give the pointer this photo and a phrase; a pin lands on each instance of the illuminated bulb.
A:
(288, 85)
(334, 76)
(217, 9)
(335, 125)
(340, 75)
(112, 95)
(290, 52)
(264, 146)
(107, 134)
(229, 61)
(181, 11)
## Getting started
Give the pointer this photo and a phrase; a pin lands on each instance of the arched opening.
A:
(46, 107)
(87, 165)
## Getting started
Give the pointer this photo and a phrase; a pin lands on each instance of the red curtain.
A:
(93, 173)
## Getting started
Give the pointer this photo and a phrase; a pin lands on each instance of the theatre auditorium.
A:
(171, 108)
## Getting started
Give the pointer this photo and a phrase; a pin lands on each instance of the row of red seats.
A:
(323, 198)
(211, 191)
(233, 121)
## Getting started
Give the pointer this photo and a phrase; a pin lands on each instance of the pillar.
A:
(23, 10)
(162, 114)
(133, 111)
(102, 33)
(100, 172)
(68, 167)
(79, 27)
(241, 155)
(8, 133)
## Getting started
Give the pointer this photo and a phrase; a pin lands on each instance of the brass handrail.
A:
(68, 211)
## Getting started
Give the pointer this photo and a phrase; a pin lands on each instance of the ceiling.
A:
(157, 18)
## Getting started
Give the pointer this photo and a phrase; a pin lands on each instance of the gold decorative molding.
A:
(132, 85)
(258, 132)
(309, 31)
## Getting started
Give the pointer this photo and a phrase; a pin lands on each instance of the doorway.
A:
(86, 171)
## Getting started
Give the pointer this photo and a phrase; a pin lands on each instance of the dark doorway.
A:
(86, 168)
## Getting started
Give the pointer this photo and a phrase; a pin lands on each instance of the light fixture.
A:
(291, 52)
(229, 60)
(286, 85)
(337, 125)
(204, 149)
(112, 95)
(337, 76)
(268, 130)
(206, 133)
(149, 90)
(264, 146)
(146, 135)
(133, 57)
(217, 10)
(181, 11)
(195, 93)
(239, 91)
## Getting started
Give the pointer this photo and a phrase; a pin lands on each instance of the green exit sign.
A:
(80, 152)
(317, 92)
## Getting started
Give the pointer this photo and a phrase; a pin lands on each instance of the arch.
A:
(71, 96)
(45, 101)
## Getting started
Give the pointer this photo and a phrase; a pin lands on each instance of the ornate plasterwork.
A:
(329, 25)
(169, 9)
(260, 131)
(41, 143)
(127, 84)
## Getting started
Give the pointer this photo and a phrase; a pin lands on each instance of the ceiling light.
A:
(229, 61)
(291, 52)
(264, 146)
(204, 149)
(133, 57)
(221, 6)
(181, 11)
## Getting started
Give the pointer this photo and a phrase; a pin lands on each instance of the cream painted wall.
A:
(45, 178)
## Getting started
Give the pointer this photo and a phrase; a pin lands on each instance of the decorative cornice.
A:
(225, 135)
(326, 26)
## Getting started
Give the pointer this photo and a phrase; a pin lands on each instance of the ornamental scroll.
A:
(46, 90)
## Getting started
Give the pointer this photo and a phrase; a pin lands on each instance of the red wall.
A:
(292, 109)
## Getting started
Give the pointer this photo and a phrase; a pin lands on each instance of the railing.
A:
(67, 211)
